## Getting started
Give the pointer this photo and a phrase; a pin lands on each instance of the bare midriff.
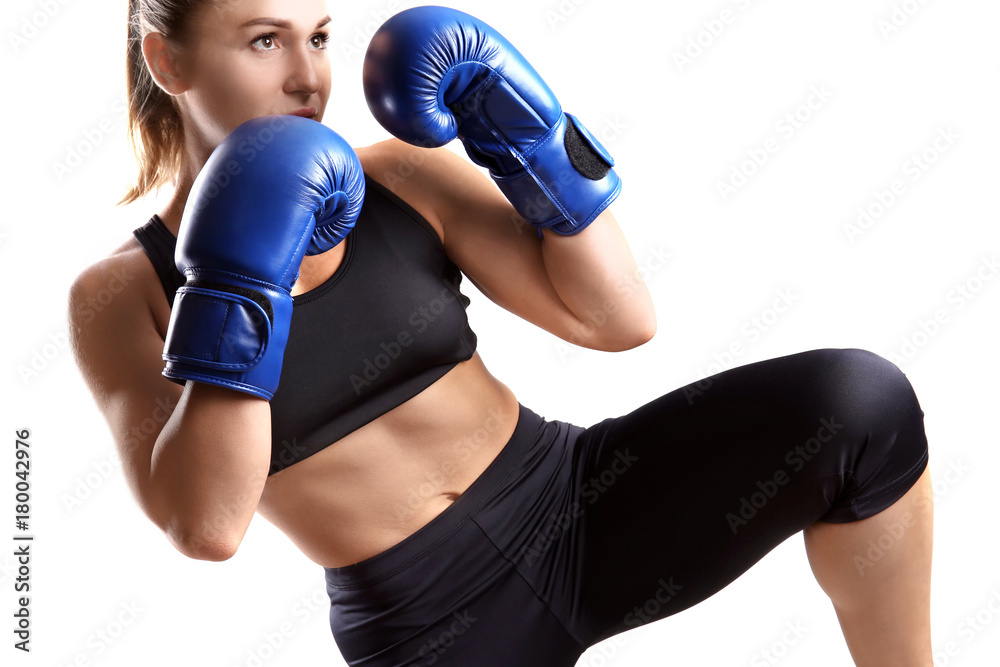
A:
(381, 483)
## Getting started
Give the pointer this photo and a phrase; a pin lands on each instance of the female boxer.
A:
(295, 344)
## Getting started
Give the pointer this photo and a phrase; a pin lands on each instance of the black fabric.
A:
(387, 324)
(573, 535)
(159, 244)
(584, 158)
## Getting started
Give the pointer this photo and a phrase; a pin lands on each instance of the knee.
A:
(873, 378)
(884, 446)
(870, 391)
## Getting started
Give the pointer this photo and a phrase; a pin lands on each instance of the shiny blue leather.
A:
(277, 188)
(433, 73)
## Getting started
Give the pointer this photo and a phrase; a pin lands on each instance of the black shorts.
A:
(573, 534)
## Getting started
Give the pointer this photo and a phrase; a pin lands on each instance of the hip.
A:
(460, 574)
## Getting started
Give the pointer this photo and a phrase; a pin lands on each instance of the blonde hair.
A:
(155, 130)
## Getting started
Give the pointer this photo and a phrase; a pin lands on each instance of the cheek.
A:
(236, 93)
(239, 82)
(325, 76)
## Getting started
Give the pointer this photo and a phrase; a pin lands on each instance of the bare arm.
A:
(208, 468)
(195, 457)
(585, 289)
(596, 276)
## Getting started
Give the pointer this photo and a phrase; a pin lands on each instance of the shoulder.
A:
(431, 180)
(127, 263)
(124, 285)
(123, 265)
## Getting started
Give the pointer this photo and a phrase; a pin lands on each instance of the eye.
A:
(320, 40)
(266, 41)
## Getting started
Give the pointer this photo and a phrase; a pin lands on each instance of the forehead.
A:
(235, 14)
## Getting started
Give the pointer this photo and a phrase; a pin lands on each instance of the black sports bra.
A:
(385, 326)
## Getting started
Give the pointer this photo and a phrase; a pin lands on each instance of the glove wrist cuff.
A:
(231, 335)
(567, 180)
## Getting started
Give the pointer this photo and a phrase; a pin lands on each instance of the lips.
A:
(305, 112)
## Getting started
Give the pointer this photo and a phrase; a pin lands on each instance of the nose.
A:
(303, 72)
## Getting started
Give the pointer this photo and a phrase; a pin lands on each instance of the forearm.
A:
(208, 469)
(596, 277)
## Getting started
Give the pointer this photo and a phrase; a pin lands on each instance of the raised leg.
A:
(671, 502)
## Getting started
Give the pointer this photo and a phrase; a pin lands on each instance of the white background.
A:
(676, 131)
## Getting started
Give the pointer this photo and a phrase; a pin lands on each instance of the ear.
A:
(162, 61)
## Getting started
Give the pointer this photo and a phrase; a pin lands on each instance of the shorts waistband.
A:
(451, 519)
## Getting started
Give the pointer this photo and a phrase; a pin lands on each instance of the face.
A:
(250, 58)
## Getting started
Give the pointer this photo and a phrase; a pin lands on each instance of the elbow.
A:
(645, 334)
(216, 552)
(196, 532)
(640, 338)
(203, 547)
(647, 328)
(628, 339)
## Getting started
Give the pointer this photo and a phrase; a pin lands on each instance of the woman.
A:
(456, 526)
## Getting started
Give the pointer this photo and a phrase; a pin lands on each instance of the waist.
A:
(499, 471)
(371, 489)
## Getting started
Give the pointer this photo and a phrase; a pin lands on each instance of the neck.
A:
(194, 158)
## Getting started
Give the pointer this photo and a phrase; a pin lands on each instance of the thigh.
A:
(684, 494)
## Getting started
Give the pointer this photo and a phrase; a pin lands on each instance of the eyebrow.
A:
(280, 23)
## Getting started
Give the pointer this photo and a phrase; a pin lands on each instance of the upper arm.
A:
(482, 233)
(117, 346)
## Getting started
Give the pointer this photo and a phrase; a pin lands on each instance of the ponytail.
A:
(154, 130)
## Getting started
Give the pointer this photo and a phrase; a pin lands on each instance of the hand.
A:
(433, 73)
(250, 218)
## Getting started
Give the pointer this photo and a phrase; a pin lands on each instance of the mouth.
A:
(305, 112)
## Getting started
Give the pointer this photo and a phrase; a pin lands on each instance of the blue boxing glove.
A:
(277, 188)
(433, 73)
